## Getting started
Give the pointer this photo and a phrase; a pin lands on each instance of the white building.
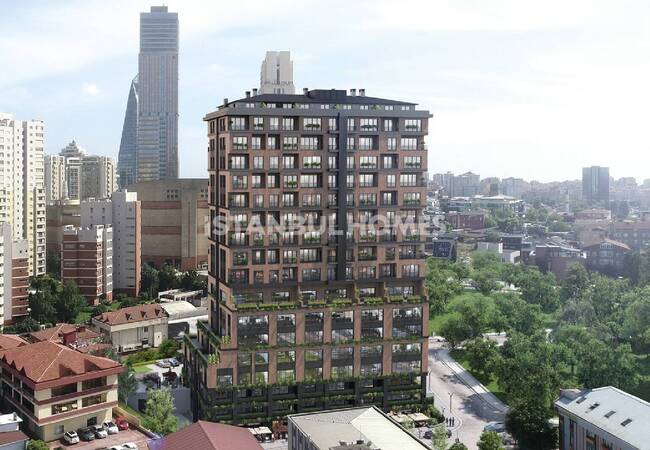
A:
(75, 175)
(122, 212)
(22, 185)
(276, 75)
(133, 328)
(55, 188)
(602, 418)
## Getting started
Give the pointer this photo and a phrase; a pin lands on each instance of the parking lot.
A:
(131, 435)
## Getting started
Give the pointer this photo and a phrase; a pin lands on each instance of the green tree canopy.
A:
(159, 412)
(528, 422)
(69, 302)
(489, 441)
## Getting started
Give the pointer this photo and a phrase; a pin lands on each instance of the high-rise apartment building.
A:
(88, 261)
(157, 99)
(276, 74)
(595, 184)
(123, 214)
(127, 157)
(22, 185)
(55, 186)
(75, 175)
(14, 273)
(316, 257)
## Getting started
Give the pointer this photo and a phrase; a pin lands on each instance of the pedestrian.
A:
(453, 421)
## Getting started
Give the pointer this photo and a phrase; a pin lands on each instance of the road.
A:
(472, 408)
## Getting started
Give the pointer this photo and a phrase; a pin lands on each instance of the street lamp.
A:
(451, 395)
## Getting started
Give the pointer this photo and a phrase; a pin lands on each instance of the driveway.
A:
(471, 405)
(130, 435)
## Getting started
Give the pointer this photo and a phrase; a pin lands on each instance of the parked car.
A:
(122, 423)
(110, 427)
(163, 363)
(129, 446)
(428, 434)
(497, 427)
(86, 434)
(71, 437)
(173, 362)
(100, 432)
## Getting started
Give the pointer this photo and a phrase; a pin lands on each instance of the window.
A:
(311, 200)
(332, 143)
(409, 144)
(351, 126)
(368, 162)
(258, 162)
(410, 270)
(411, 198)
(332, 124)
(413, 125)
(309, 255)
(311, 162)
(391, 143)
(258, 123)
(237, 123)
(351, 145)
(256, 143)
(288, 123)
(412, 162)
(238, 162)
(274, 123)
(239, 181)
(290, 181)
(272, 143)
(368, 124)
(388, 125)
(310, 142)
(312, 123)
(289, 162)
(408, 179)
(332, 181)
(314, 337)
(366, 180)
(286, 339)
(366, 143)
(274, 162)
(239, 142)
(290, 143)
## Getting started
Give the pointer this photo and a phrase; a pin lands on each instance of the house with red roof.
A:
(208, 436)
(133, 328)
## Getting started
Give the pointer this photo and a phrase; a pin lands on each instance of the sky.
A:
(519, 88)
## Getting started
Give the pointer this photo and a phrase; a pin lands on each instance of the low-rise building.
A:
(557, 258)
(594, 214)
(603, 418)
(133, 328)
(634, 234)
(11, 438)
(204, 435)
(349, 429)
(55, 389)
(76, 337)
(471, 220)
(606, 256)
(179, 295)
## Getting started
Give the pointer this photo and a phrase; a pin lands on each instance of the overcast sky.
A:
(535, 89)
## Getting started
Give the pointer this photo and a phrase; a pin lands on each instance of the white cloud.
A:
(90, 89)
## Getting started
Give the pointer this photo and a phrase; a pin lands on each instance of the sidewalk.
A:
(468, 380)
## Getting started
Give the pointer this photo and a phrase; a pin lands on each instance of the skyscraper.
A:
(157, 135)
(316, 278)
(127, 168)
(276, 75)
(595, 184)
(22, 185)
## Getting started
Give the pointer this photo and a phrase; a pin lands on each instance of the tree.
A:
(519, 315)
(41, 298)
(478, 311)
(489, 441)
(98, 310)
(167, 278)
(159, 412)
(528, 422)
(53, 264)
(455, 329)
(37, 444)
(485, 282)
(69, 303)
(441, 284)
(27, 325)
(439, 437)
(481, 355)
(149, 280)
(538, 288)
(127, 384)
(575, 282)
(192, 281)
(168, 348)
(604, 365)
(458, 446)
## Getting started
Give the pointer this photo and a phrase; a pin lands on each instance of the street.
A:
(473, 408)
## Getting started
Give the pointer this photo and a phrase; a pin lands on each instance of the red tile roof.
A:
(8, 341)
(55, 333)
(48, 361)
(598, 242)
(208, 436)
(132, 314)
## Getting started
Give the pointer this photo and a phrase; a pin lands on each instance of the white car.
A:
(110, 427)
(71, 437)
(129, 446)
(100, 432)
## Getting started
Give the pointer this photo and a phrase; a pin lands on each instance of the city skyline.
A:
(515, 65)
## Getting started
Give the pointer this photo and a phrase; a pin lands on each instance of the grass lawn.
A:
(490, 384)
(142, 368)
